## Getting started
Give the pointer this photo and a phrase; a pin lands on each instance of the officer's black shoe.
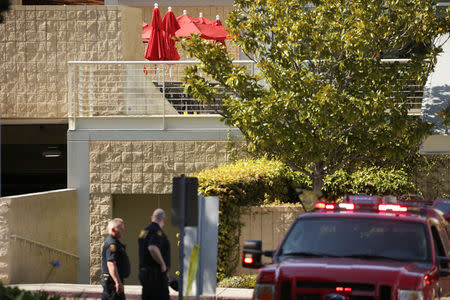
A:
(173, 283)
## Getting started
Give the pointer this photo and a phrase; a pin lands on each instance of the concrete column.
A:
(78, 178)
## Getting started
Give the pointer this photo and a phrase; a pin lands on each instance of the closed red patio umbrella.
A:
(170, 26)
(146, 32)
(156, 47)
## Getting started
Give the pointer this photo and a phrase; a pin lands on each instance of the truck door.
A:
(441, 248)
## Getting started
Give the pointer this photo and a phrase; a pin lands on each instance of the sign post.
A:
(184, 213)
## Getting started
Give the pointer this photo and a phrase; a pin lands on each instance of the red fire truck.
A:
(364, 248)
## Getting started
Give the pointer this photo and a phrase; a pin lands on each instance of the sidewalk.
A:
(132, 292)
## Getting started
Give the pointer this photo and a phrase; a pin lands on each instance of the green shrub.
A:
(14, 293)
(264, 180)
(240, 281)
(371, 181)
(243, 183)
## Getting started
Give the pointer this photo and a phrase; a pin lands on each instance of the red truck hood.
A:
(351, 270)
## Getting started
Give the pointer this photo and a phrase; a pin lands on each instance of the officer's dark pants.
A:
(109, 290)
(154, 284)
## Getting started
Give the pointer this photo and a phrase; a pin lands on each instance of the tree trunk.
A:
(317, 184)
(317, 177)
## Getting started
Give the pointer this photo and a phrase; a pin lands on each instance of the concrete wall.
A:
(140, 167)
(436, 144)
(268, 224)
(36, 229)
(37, 41)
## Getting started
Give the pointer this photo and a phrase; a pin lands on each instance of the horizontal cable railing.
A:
(133, 89)
(143, 88)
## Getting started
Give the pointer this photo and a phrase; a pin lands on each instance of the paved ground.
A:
(133, 292)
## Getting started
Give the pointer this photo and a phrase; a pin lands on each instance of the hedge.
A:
(14, 293)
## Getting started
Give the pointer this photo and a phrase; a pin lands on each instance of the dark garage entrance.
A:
(33, 158)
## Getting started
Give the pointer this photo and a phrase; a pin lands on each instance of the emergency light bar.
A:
(332, 206)
(343, 289)
(392, 207)
(349, 206)
(323, 205)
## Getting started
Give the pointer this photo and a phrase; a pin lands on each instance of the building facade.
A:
(121, 158)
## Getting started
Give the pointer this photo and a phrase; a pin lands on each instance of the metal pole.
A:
(200, 241)
(182, 224)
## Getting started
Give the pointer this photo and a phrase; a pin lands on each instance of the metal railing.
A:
(41, 245)
(143, 88)
(133, 88)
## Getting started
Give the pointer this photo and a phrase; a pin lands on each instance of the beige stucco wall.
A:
(140, 167)
(40, 222)
(4, 242)
(37, 41)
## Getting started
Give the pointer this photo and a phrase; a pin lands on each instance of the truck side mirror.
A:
(442, 260)
(251, 254)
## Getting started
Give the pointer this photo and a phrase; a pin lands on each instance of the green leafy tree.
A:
(445, 115)
(321, 98)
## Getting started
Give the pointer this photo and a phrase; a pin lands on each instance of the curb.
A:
(81, 291)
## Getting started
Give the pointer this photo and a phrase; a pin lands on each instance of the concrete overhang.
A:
(436, 144)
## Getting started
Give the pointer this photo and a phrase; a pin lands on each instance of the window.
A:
(357, 237)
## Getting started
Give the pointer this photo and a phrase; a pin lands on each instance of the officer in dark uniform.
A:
(115, 262)
(154, 259)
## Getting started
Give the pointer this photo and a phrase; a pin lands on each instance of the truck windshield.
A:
(357, 237)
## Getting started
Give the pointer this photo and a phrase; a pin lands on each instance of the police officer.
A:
(115, 262)
(154, 258)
